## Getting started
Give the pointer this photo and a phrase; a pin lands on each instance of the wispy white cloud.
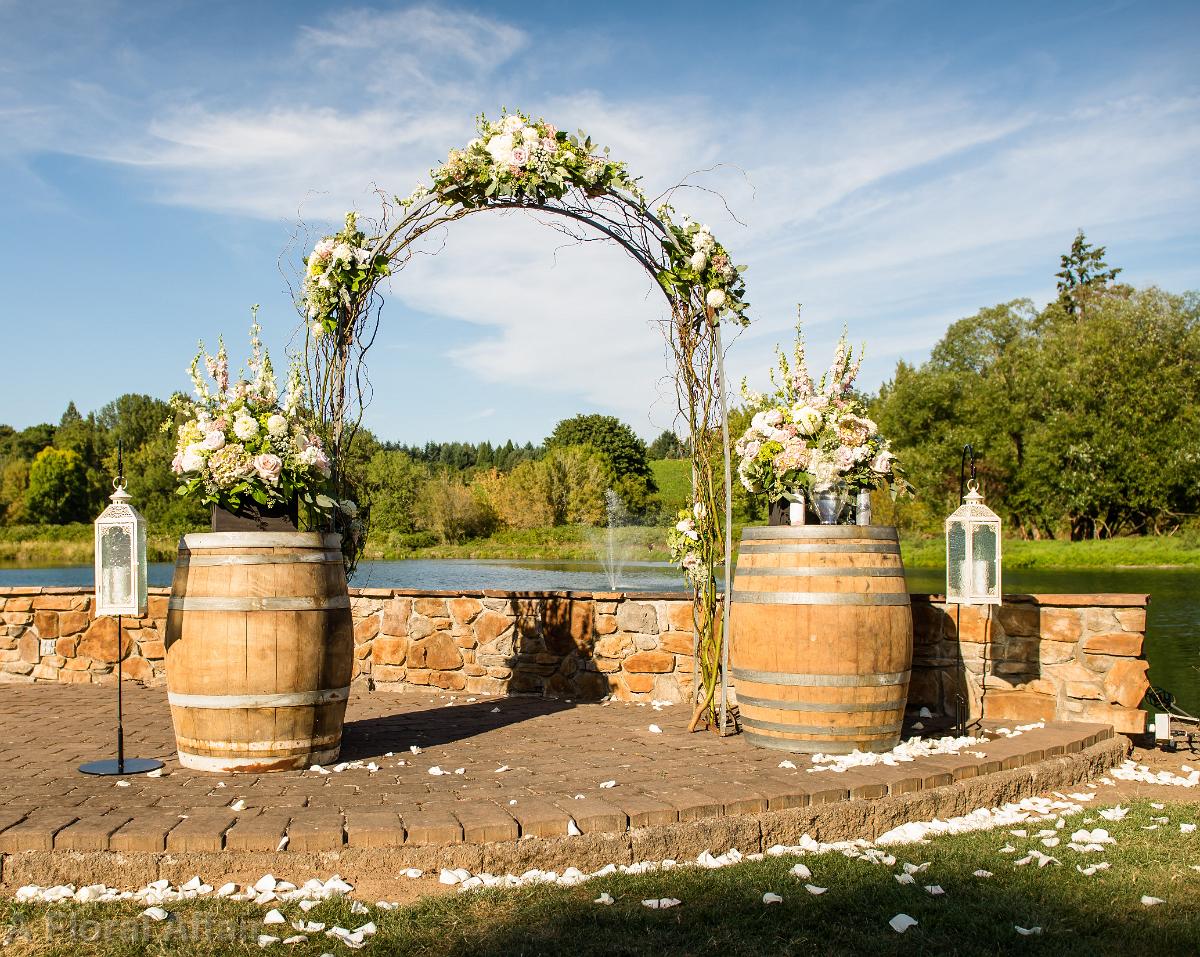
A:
(894, 209)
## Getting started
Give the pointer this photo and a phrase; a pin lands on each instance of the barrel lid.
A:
(202, 540)
(820, 532)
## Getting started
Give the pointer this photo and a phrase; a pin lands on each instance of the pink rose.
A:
(268, 467)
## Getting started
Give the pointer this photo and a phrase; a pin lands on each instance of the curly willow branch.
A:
(339, 389)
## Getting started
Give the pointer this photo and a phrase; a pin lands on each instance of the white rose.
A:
(882, 463)
(715, 298)
(699, 258)
(512, 123)
(703, 239)
(500, 148)
(530, 135)
(192, 459)
(807, 419)
(343, 251)
(772, 417)
(277, 425)
(759, 422)
(245, 427)
(214, 440)
(268, 467)
(684, 525)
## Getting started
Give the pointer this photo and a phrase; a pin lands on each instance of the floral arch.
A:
(520, 163)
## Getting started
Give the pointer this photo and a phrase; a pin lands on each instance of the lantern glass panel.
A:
(117, 565)
(983, 559)
(957, 583)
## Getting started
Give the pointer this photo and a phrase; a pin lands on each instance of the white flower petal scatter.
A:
(573, 828)
(661, 903)
(801, 871)
(606, 898)
(274, 917)
(902, 922)
(983, 873)
(1113, 813)
(155, 913)
(436, 771)
(655, 729)
(934, 890)
(1187, 828)
(1132, 771)
(1027, 931)
(413, 873)
(769, 898)
(905, 751)
(904, 878)
(266, 940)
(790, 765)
(608, 784)
(1091, 868)
(1149, 901)
(814, 889)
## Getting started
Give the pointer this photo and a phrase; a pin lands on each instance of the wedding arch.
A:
(518, 163)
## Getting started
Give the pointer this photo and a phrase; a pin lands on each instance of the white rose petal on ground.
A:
(655, 729)
(902, 922)
(436, 771)
(608, 784)
(904, 879)
(1149, 901)
(1027, 931)
(934, 890)
(266, 940)
(1186, 828)
(661, 903)
(573, 828)
(982, 873)
(769, 898)
(801, 871)
(606, 899)
(274, 917)
(787, 764)
(155, 913)
(813, 889)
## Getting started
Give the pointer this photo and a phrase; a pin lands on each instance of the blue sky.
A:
(894, 166)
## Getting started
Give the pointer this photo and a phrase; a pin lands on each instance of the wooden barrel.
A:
(821, 638)
(260, 646)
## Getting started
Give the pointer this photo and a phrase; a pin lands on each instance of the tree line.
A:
(441, 491)
(1085, 414)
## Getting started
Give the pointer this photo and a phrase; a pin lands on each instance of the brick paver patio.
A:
(557, 756)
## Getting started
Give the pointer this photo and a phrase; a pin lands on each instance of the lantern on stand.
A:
(120, 590)
(972, 548)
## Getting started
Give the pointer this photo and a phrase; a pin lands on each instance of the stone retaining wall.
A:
(1066, 657)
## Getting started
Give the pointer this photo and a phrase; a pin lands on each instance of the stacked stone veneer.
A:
(1036, 656)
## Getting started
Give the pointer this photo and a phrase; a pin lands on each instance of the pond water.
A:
(1173, 628)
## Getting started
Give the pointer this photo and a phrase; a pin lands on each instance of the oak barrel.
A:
(821, 637)
(260, 646)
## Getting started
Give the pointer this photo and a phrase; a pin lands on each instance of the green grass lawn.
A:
(1149, 551)
(722, 912)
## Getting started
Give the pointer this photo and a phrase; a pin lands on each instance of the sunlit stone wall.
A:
(1036, 656)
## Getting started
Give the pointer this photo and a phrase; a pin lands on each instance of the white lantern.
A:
(120, 558)
(973, 552)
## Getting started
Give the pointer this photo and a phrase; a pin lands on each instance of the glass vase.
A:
(829, 503)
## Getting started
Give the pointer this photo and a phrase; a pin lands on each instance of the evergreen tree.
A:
(1083, 269)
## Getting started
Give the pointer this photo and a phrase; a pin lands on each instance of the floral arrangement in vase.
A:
(815, 438)
(241, 446)
(683, 541)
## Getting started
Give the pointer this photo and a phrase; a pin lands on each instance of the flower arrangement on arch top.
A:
(240, 443)
(811, 436)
